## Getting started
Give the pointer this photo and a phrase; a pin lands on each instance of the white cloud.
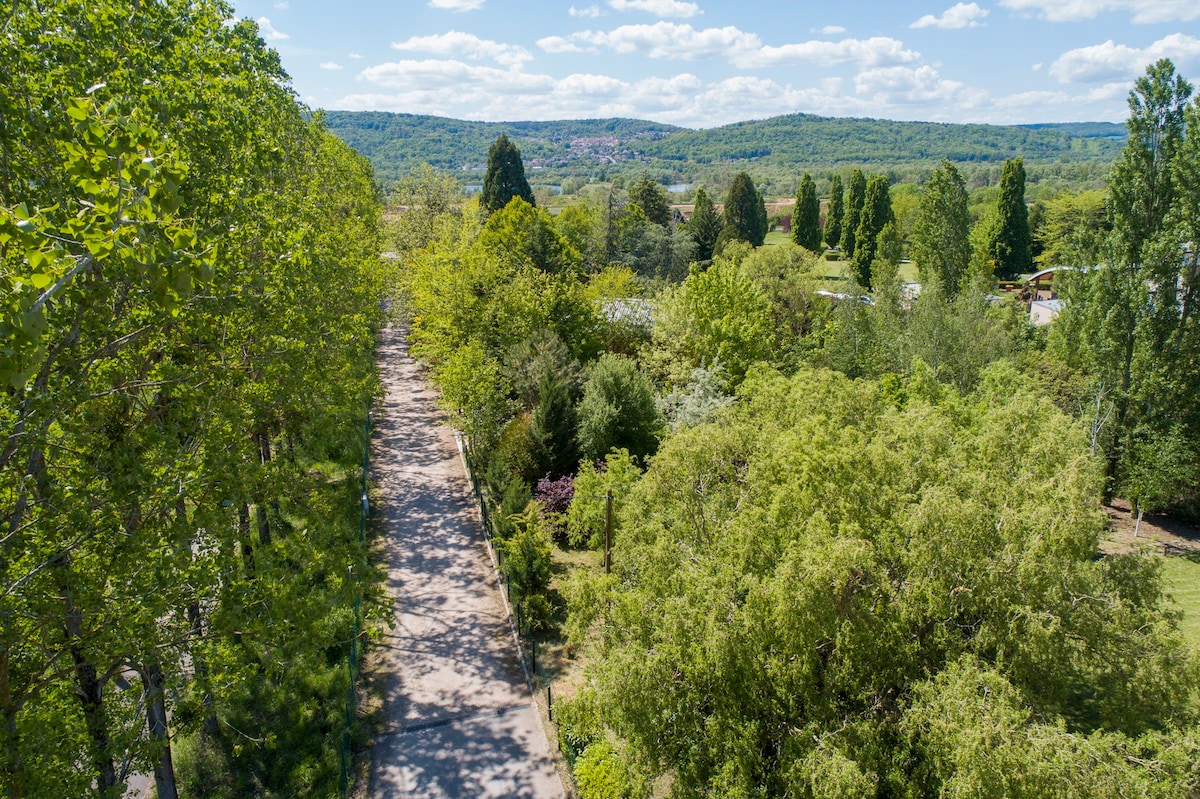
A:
(831, 30)
(331, 65)
(917, 86)
(355, 56)
(659, 8)
(268, 32)
(959, 15)
(283, 5)
(557, 44)
(457, 5)
(466, 45)
(873, 52)
(672, 40)
(435, 76)
(1110, 62)
(1142, 11)
(590, 11)
(1037, 67)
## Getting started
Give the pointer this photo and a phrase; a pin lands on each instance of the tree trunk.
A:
(156, 722)
(244, 534)
(90, 692)
(200, 664)
(13, 768)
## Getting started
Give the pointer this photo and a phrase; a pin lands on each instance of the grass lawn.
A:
(1182, 576)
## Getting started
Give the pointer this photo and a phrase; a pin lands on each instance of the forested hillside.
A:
(397, 142)
(190, 291)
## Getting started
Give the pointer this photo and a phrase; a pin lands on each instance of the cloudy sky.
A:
(703, 63)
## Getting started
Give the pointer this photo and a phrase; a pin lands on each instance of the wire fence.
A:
(352, 664)
(527, 646)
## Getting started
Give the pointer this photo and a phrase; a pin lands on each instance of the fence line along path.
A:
(460, 721)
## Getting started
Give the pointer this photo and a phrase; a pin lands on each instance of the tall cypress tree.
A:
(505, 177)
(705, 226)
(806, 218)
(876, 212)
(855, 194)
(1009, 248)
(833, 219)
(745, 213)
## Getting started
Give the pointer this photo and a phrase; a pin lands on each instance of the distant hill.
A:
(604, 147)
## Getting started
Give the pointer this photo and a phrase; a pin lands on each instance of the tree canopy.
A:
(745, 213)
(806, 217)
(505, 176)
(941, 231)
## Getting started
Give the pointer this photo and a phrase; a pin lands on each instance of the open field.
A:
(1182, 576)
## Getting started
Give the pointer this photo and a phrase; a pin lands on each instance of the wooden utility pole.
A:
(608, 531)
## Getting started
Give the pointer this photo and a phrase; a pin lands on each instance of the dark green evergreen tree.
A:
(876, 212)
(505, 177)
(1009, 247)
(833, 218)
(705, 226)
(552, 427)
(855, 194)
(745, 213)
(806, 218)
(941, 231)
(652, 199)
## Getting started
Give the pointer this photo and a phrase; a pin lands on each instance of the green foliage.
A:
(650, 196)
(704, 226)
(1129, 324)
(835, 213)
(599, 773)
(505, 176)
(426, 199)
(527, 565)
(618, 410)
(806, 219)
(834, 562)
(552, 427)
(1009, 245)
(1075, 229)
(191, 294)
(745, 214)
(476, 391)
(856, 191)
(585, 519)
(717, 314)
(941, 243)
(876, 214)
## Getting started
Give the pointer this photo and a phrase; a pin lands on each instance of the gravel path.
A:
(460, 721)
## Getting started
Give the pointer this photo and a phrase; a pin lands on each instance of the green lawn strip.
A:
(1182, 576)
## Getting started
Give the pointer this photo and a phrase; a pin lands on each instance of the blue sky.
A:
(702, 63)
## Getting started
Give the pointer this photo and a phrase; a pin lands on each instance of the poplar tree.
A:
(1131, 322)
(505, 177)
(705, 226)
(1009, 246)
(833, 218)
(855, 194)
(876, 213)
(941, 231)
(806, 218)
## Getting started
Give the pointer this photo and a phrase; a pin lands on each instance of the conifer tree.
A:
(745, 213)
(705, 226)
(505, 177)
(652, 199)
(806, 218)
(1009, 247)
(855, 194)
(876, 213)
(833, 219)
